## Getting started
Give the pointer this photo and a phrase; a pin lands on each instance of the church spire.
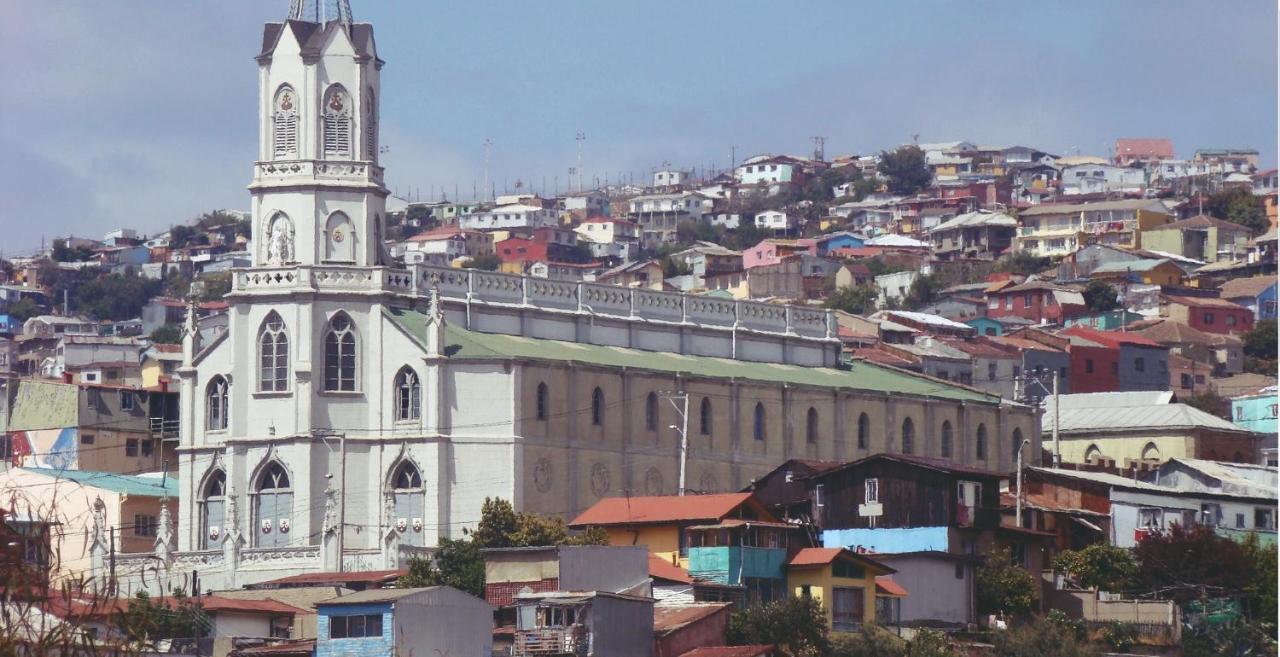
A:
(320, 11)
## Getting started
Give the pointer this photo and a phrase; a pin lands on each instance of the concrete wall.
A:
(620, 627)
(445, 621)
(935, 593)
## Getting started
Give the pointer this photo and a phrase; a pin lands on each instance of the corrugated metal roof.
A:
(858, 376)
(976, 220)
(1125, 418)
(1153, 205)
(137, 485)
(1087, 400)
(1145, 264)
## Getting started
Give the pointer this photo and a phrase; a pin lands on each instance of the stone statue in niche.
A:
(280, 240)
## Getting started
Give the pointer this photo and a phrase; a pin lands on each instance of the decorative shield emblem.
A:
(284, 525)
(401, 525)
(266, 526)
(417, 524)
(213, 533)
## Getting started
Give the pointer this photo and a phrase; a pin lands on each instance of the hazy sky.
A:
(141, 112)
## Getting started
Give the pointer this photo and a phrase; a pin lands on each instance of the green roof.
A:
(116, 483)
(859, 375)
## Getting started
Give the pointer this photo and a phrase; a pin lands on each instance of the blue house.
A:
(986, 326)
(1257, 293)
(1256, 411)
(747, 553)
(436, 620)
(1112, 320)
(839, 240)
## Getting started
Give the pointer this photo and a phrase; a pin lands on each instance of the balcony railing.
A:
(552, 641)
(164, 429)
(287, 171)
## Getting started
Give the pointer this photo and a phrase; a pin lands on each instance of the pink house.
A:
(772, 251)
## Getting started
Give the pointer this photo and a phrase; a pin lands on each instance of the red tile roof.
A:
(730, 651)
(660, 568)
(662, 509)
(815, 556)
(1204, 302)
(886, 586)
(215, 604)
(1145, 147)
(669, 618)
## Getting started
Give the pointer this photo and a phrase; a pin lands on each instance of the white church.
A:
(355, 412)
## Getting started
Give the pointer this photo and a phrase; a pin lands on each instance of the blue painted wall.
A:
(366, 646)
(728, 565)
(842, 242)
(986, 326)
(890, 541)
(1255, 413)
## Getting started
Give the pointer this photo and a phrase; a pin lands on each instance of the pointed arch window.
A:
(908, 436)
(216, 404)
(758, 422)
(597, 407)
(273, 353)
(340, 355)
(980, 443)
(407, 491)
(704, 417)
(651, 412)
(1092, 454)
(213, 508)
(946, 439)
(408, 395)
(337, 123)
(284, 124)
(811, 426)
(541, 401)
(864, 431)
(273, 506)
(370, 126)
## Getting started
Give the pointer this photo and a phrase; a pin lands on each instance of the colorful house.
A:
(660, 523)
(1257, 293)
(1149, 271)
(1208, 314)
(743, 553)
(1257, 411)
(437, 620)
(842, 582)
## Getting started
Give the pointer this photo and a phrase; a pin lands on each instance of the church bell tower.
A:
(318, 194)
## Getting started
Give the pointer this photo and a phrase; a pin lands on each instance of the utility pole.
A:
(324, 435)
(488, 145)
(1057, 446)
(580, 137)
(674, 396)
(111, 586)
(1018, 512)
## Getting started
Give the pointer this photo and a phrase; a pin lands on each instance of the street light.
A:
(1018, 512)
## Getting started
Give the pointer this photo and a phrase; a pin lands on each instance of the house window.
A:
(144, 525)
(871, 491)
(980, 443)
(991, 371)
(408, 395)
(864, 430)
(86, 439)
(1140, 364)
(131, 447)
(811, 426)
(848, 569)
(1088, 366)
(946, 439)
(1230, 320)
(337, 123)
(758, 422)
(147, 447)
(846, 608)
(1150, 519)
(1186, 380)
(651, 412)
(1240, 521)
(704, 417)
(908, 436)
(1115, 367)
(126, 400)
(340, 355)
(1208, 318)
(1264, 519)
(1027, 300)
(355, 627)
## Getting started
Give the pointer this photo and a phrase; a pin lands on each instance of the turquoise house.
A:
(986, 326)
(1257, 411)
(1112, 320)
(743, 553)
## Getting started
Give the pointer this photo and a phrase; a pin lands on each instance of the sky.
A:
(141, 113)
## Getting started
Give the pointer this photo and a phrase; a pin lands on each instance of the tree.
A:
(857, 300)
(798, 626)
(501, 526)
(1188, 563)
(1100, 297)
(456, 563)
(1099, 566)
(115, 296)
(1260, 592)
(1023, 263)
(216, 286)
(923, 291)
(167, 334)
(906, 169)
(1260, 347)
(868, 641)
(487, 262)
(63, 253)
(1239, 206)
(24, 309)
(146, 621)
(498, 524)
(180, 236)
(1004, 588)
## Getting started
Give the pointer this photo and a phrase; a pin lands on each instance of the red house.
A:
(1095, 367)
(1037, 301)
(1210, 315)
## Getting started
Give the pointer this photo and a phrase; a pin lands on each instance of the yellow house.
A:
(161, 361)
(660, 522)
(842, 581)
(1150, 271)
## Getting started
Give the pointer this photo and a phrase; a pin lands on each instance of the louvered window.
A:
(337, 124)
(285, 124)
(370, 127)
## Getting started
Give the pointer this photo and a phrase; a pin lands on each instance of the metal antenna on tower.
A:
(580, 137)
(819, 148)
(488, 144)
